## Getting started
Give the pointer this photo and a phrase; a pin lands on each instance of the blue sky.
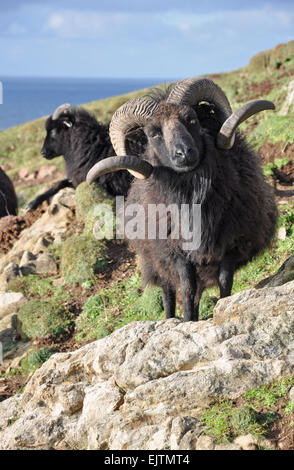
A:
(137, 38)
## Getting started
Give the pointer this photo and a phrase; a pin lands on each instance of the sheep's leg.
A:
(169, 301)
(226, 276)
(199, 291)
(47, 194)
(188, 285)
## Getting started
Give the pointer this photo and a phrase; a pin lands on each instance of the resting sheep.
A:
(194, 156)
(83, 141)
(8, 199)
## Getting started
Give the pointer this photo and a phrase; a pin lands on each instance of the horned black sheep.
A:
(8, 199)
(195, 155)
(83, 141)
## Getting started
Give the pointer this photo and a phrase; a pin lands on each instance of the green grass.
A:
(226, 420)
(115, 306)
(275, 129)
(33, 286)
(279, 163)
(268, 395)
(34, 360)
(82, 258)
(45, 318)
(46, 313)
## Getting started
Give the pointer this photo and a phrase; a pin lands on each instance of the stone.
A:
(289, 100)
(6, 338)
(46, 171)
(291, 394)
(48, 229)
(254, 301)
(247, 442)
(205, 443)
(284, 275)
(10, 272)
(10, 303)
(42, 263)
(23, 173)
(282, 234)
(10, 298)
(227, 446)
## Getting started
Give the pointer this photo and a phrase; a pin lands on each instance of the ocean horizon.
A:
(26, 99)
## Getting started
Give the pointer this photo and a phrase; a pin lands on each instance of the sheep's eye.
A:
(193, 121)
(155, 134)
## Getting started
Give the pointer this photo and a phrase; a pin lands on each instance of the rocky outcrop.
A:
(29, 253)
(10, 302)
(288, 104)
(284, 274)
(144, 386)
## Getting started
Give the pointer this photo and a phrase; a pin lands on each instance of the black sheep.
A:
(8, 199)
(195, 156)
(83, 141)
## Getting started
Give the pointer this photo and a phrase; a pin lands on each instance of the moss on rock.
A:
(82, 259)
(44, 318)
(117, 305)
(87, 197)
(35, 359)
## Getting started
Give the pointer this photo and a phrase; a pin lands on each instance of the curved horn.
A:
(226, 135)
(58, 111)
(137, 167)
(132, 114)
(194, 90)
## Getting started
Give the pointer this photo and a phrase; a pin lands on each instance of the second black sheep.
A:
(83, 141)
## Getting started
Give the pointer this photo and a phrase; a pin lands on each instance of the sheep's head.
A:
(57, 128)
(174, 137)
(172, 128)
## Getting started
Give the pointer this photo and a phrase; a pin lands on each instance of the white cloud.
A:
(265, 18)
(81, 24)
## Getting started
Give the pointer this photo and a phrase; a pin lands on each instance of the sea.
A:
(25, 99)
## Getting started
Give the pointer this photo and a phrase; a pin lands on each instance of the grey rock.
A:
(228, 446)
(285, 274)
(205, 443)
(145, 386)
(246, 442)
(291, 394)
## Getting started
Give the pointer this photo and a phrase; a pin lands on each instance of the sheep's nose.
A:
(183, 153)
(43, 153)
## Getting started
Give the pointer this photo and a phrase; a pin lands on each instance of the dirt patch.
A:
(269, 152)
(33, 179)
(287, 73)
(281, 432)
(121, 264)
(12, 226)
(10, 385)
(255, 90)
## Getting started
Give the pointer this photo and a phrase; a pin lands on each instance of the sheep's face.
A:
(174, 135)
(56, 140)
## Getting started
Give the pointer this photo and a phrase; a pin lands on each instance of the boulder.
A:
(145, 385)
(35, 240)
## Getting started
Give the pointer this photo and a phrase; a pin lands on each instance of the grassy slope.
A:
(107, 307)
(266, 76)
(20, 146)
